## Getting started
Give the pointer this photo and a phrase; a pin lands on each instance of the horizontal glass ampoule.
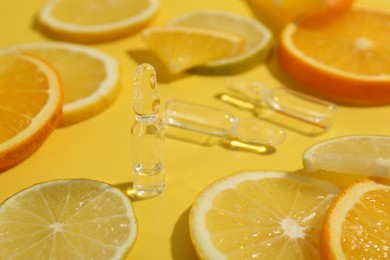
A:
(220, 123)
(296, 105)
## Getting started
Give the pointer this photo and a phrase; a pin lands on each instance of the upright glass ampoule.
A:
(147, 135)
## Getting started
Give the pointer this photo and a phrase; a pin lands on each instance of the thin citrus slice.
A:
(257, 37)
(357, 154)
(182, 48)
(262, 215)
(96, 21)
(67, 219)
(330, 57)
(30, 106)
(89, 77)
(357, 225)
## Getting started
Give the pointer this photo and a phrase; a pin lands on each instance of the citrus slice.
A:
(358, 222)
(357, 154)
(264, 215)
(30, 106)
(257, 37)
(95, 21)
(67, 219)
(330, 57)
(181, 48)
(89, 77)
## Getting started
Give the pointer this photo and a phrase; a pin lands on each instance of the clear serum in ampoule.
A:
(147, 135)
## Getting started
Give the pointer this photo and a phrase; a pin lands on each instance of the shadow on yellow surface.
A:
(181, 244)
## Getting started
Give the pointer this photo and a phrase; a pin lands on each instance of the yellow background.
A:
(100, 148)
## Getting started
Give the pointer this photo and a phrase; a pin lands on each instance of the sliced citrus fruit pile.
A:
(95, 21)
(30, 106)
(181, 48)
(331, 58)
(357, 223)
(89, 77)
(257, 37)
(357, 154)
(265, 215)
(67, 219)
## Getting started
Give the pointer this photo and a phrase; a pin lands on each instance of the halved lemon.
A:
(262, 215)
(95, 21)
(356, 154)
(67, 219)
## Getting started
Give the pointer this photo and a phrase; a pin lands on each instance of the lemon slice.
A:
(262, 215)
(182, 48)
(90, 78)
(30, 106)
(357, 224)
(95, 21)
(67, 219)
(357, 154)
(257, 38)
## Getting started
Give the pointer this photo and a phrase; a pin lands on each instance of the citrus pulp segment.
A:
(265, 215)
(96, 21)
(30, 105)
(358, 222)
(181, 48)
(331, 58)
(67, 219)
(90, 78)
(256, 36)
(356, 154)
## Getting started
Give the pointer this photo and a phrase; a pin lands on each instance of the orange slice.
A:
(67, 219)
(357, 225)
(30, 106)
(262, 215)
(96, 21)
(181, 48)
(330, 57)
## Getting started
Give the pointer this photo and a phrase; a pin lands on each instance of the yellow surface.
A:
(100, 148)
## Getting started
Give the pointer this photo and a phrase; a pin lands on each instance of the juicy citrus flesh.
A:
(181, 48)
(30, 105)
(358, 222)
(67, 219)
(94, 21)
(368, 155)
(89, 77)
(257, 37)
(260, 215)
(330, 57)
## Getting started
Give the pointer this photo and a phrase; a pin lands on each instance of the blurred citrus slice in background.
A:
(358, 222)
(357, 154)
(257, 38)
(181, 48)
(90, 78)
(277, 13)
(67, 219)
(330, 57)
(95, 21)
(264, 215)
(30, 105)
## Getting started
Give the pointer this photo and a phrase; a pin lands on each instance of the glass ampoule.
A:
(147, 135)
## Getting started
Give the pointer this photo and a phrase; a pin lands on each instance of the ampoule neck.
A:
(146, 119)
